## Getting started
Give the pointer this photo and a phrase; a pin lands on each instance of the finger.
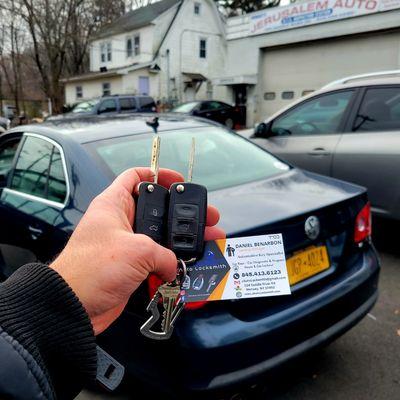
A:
(214, 233)
(212, 216)
(166, 177)
(165, 264)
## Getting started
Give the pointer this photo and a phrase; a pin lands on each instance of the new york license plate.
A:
(307, 263)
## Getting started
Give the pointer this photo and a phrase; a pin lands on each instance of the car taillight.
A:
(154, 282)
(363, 225)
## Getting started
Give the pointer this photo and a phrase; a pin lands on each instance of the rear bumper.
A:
(212, 350)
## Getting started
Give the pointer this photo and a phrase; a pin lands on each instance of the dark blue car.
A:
(49, 173)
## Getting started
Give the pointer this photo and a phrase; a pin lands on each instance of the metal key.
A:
(172, 304)
(152, 203)
(187, 215)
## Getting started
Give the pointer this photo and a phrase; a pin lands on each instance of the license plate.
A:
(307, 263)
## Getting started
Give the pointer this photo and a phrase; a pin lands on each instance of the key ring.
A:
(182, 271)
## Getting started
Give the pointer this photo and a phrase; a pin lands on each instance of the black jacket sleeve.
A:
(47, 344)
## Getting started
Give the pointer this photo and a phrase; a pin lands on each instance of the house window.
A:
(288, 95)
(129, 47)
(105, 52)
(79, 92)
(106, 88)
(137, 45)
(197, 8)
(109, 51)
(203, 48)
(269, 96)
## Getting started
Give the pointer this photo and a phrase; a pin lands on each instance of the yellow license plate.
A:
(307, 263)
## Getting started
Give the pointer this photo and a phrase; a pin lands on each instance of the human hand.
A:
(104, 261)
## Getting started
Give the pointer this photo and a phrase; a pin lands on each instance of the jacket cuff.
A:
(41, 312)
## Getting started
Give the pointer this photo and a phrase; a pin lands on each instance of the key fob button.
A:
(154, 211)
(183, 242)
(186, 210)
(184, 226)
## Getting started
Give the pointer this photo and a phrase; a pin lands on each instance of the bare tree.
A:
(59, 32)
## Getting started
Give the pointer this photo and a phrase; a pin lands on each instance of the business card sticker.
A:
(239, 268)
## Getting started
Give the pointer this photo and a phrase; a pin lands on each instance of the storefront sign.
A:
(315, 12)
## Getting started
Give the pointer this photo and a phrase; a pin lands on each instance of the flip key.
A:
(187, 216)
(152, 203)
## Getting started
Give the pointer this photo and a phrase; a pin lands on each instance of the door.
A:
(369, 154)
(304, 67)
(308, 134)
(144, 85)
(35, 194)
(240, 93)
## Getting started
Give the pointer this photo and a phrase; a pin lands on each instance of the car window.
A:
(7, 153)
(31, 170)
(223, 159)
(127, 104)
(57, 187)
(317, 116)
(39, 170)
(147, 103)
(109, 105)
(85, 107)
(205, 106)
(186, 107)
(379, 111)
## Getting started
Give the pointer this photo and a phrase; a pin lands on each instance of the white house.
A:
(170, 50)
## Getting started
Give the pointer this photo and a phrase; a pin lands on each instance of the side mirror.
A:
(263, 130)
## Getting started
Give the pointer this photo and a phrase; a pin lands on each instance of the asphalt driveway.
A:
(364, 364)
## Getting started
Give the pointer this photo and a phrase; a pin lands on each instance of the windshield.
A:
(185, 108)
(86, 106)
(222, 159)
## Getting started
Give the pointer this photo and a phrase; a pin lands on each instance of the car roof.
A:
(89, 129)
(357, 82)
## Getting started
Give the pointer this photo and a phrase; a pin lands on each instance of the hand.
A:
(104, 261)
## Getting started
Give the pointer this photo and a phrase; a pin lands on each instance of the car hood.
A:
(265, 202)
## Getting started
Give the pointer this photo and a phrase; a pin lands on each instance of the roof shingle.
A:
(135, 19)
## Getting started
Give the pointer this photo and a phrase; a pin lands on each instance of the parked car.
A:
(214, 110)
(5, 124)
(60, 166)
(110, 105)
(348, 130)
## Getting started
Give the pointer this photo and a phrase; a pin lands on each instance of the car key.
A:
(152, 203)
(173, 304)
(187, 215)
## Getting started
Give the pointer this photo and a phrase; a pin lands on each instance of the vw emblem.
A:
(312, 227)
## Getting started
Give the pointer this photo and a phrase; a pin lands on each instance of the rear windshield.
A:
(86, 106)
(185, 108)
(222, 159)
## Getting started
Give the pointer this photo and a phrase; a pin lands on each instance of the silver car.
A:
(350, 130)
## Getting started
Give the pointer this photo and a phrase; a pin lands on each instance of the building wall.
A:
(119, 57)
(130, 82)
(183, 43)
(255, 50)
(91, 89)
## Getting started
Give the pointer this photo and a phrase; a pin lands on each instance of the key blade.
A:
(155, 157)
(191, 160)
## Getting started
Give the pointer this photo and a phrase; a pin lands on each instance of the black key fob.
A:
(187, 220)
(151, 211)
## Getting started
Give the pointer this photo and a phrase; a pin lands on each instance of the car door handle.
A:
(319, 151)
(35, 232)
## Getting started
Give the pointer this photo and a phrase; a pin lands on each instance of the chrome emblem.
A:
(312, 227)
